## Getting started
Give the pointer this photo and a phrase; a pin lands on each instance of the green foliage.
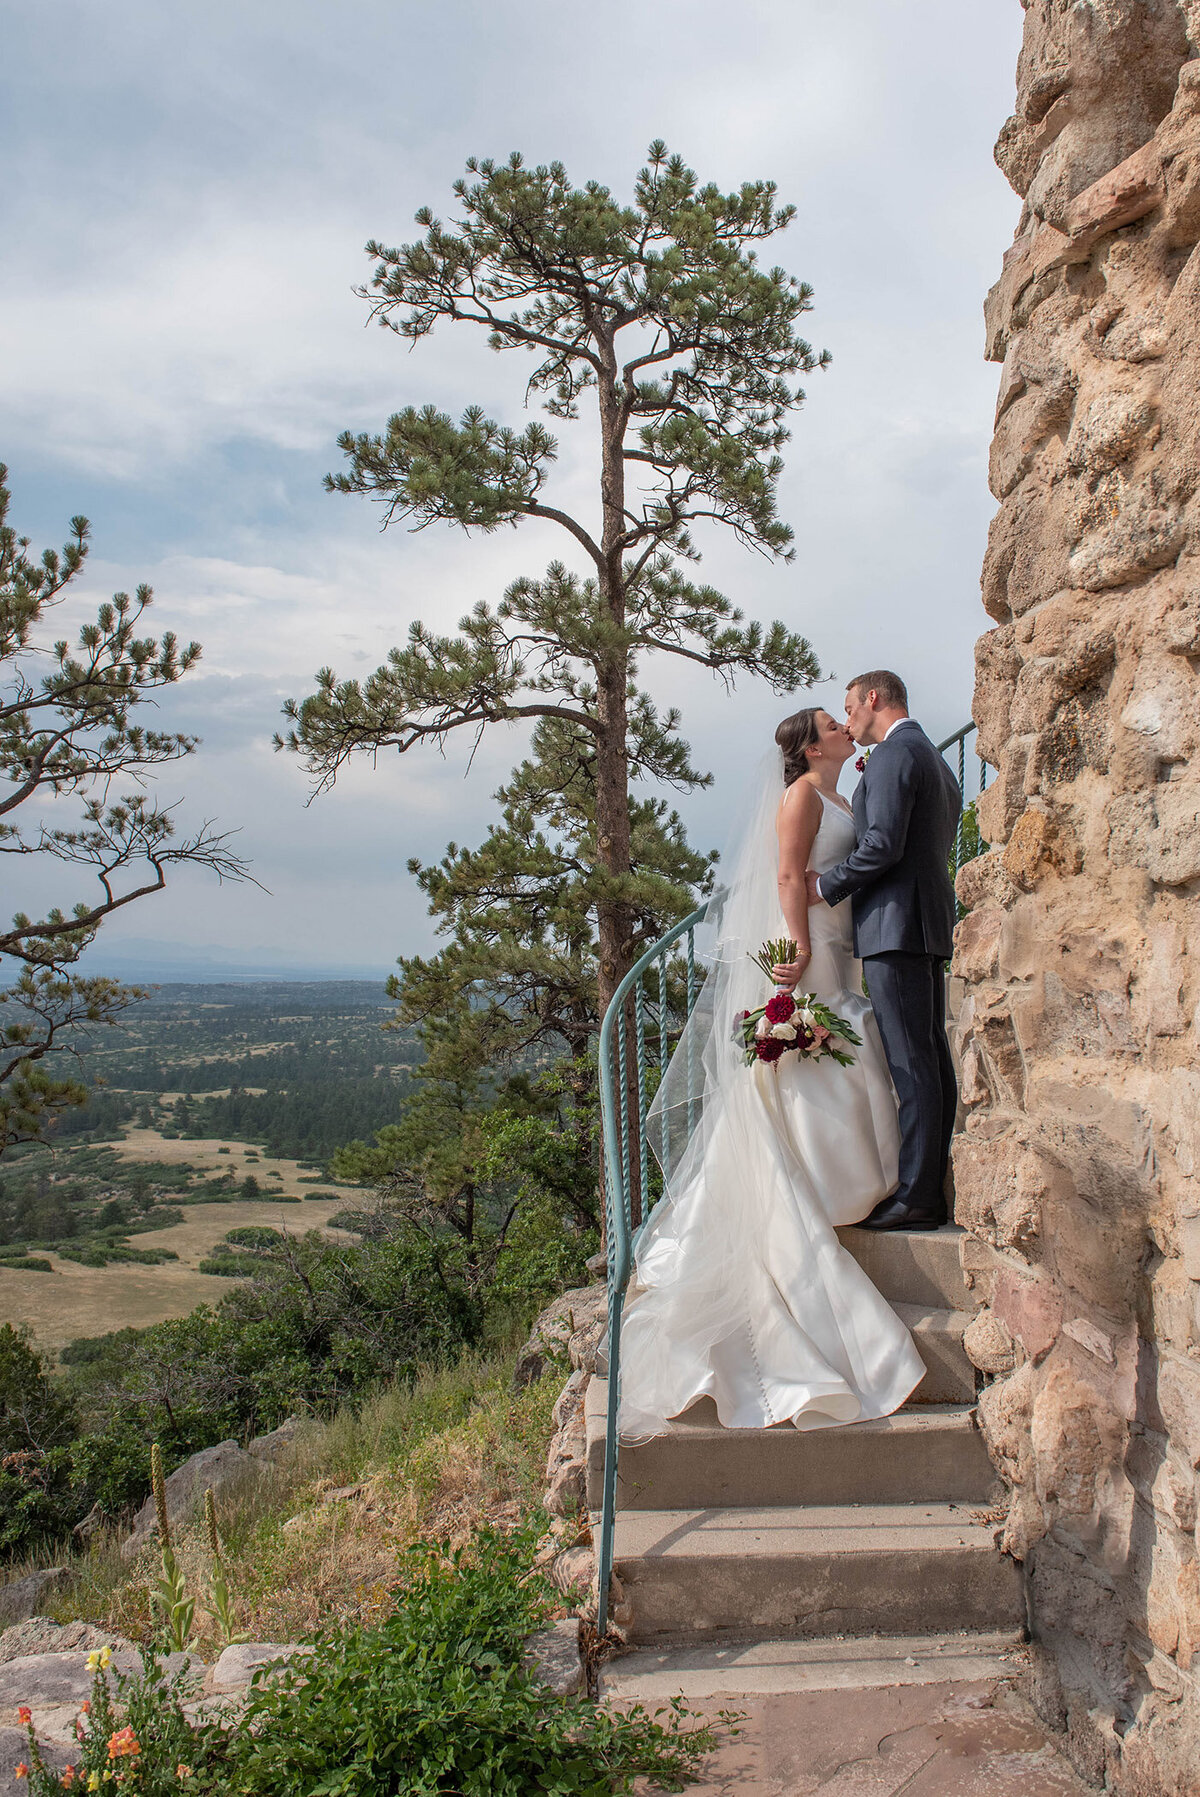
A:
(37, 1425)
(69, 726)
(692, 347)
(512, 1177)
(26, 1263)
(136, 1736)
(518, 973)
(254, 1235)
(437, 1700)
(317, 1324)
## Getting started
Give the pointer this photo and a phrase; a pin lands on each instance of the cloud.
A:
(196, 188)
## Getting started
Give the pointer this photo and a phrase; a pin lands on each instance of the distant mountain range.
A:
(140, 960)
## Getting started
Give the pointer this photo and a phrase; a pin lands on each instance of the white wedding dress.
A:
(743, 1292)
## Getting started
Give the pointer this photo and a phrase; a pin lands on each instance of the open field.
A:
(204, 1153)
(76, 1300)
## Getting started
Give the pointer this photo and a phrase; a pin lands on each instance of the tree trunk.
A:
(615, 917)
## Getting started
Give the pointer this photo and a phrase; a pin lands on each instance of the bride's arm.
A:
(797, 826)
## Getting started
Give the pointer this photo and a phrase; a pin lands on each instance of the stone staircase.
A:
(873, 1529)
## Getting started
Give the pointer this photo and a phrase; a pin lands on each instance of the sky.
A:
(189, 193)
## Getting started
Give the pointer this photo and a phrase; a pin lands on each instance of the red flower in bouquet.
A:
(769, 1048)
(779, 1008)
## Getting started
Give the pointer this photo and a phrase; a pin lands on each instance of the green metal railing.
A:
(624, 1106)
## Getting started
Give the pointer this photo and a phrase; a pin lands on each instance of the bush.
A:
(26, 1263)
(437, 1700)
(254, 1235)
(37, 1425)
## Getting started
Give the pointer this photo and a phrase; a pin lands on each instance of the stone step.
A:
(949, 1374)
(762, 1574)
(933, 1454)
(912, 1266)
(773, 1668)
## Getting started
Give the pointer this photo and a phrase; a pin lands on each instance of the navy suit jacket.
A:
(906, 811)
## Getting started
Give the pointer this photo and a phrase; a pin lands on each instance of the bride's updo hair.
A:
(796, 736)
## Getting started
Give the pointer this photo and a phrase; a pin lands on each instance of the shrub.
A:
(26, 1263)
(37, 1425)
(437, 1699)
(254, 1235)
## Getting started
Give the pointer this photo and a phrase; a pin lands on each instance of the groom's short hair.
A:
(891, 689)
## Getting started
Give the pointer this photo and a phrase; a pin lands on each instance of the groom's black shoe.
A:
(893, 1213)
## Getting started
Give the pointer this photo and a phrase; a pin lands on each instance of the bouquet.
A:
(804, 1025)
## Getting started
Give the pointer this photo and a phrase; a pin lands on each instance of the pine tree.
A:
(517, 979)
(69, 727)
(690, 346)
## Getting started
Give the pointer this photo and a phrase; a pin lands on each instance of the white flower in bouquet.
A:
(807, 1019)
(784, 1032)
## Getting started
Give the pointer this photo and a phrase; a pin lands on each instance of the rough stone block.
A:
(977, 945)
(1179, 1403)
(552, 1656)
(1128, 192)
(1040, 843)
(1030, 1310)
(238, 1664)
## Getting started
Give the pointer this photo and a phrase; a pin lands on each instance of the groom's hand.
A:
(814, 896)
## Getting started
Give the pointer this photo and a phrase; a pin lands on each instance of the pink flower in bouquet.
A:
(820, 1034)
(768, 1048)
(781, 1007)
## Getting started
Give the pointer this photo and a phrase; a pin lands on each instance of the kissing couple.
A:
(743, 1291)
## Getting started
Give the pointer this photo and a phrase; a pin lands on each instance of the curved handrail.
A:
(620, 1228)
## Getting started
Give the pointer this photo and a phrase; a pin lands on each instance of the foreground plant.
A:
(134, 1736)
(437, 1699)
(217, 1583)
(170, 1592)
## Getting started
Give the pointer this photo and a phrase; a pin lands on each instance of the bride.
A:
(743, 1292)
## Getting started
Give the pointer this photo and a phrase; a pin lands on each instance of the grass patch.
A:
(449, 1452)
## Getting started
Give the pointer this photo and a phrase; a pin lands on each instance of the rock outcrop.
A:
(224, 1467)
(1078, 1173)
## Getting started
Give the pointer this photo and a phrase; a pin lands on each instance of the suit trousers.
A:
(908, 996)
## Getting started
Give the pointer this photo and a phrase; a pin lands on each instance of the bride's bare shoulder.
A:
(799, 807)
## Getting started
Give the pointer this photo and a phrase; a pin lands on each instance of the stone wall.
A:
(1078, 1173)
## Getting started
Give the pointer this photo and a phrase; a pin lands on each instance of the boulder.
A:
(239, 1663)
(22, 1598)
(14, 1748)
(575, 1314)
(40, 1636)
(277, 1443)
(553, 1657)
(225, 1467)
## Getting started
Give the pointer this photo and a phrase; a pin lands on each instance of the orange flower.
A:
(123, 1744)
(68, 1777)
(21, 1770)
(85, 1708)
(24, 1715)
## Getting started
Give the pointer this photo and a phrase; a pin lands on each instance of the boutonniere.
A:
(861, 763)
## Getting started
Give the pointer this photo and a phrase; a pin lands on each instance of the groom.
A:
(906, 811)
